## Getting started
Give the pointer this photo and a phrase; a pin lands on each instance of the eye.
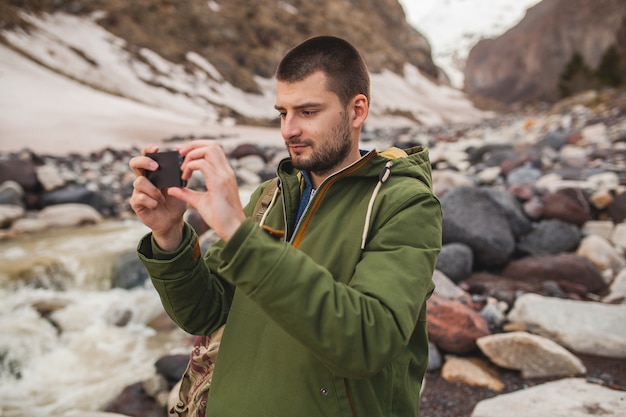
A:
(308, 113)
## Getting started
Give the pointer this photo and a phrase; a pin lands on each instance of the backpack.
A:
(193, 387)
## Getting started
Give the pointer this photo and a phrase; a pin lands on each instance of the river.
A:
(69, 341)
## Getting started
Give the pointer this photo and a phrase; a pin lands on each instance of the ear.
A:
(360, 108)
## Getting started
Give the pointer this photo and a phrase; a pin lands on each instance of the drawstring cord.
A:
(382, 178)
(269, 207)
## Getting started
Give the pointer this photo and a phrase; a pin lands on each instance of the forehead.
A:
(310, 89)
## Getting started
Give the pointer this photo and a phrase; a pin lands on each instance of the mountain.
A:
(560, 47)
(453, 27)
(209, 61)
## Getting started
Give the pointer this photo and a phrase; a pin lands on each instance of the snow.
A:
(453, 27)
(48, 112)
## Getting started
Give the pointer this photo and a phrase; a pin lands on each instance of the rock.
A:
(550, 237)
(456, 261)
(434, 357)
(21, 170)
(9, 213)
(523, 175)
(563, 268)
(569, 205)
(471, 217)
(11, 193)
(534, 356)
(65, 215)
(445, 180)
(135, 401)
(494, 313)
(617, 236)
(446, 288)
(571, 397)
(128, 271)
(513, 211)
(602, 254)
(79, 195)
(172, 367)
(50, 177)
(580, 326)
(617, 289)
(602, 228)
(475, 372)
(453, 326)
(500, 287)
(616, 210)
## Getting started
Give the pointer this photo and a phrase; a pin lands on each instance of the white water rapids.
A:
(62, 348)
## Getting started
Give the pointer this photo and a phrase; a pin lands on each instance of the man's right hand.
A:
(162, 213)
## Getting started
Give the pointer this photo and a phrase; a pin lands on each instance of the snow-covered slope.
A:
(81, 86)
(453, 27)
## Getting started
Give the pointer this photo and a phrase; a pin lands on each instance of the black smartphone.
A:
(168, 174)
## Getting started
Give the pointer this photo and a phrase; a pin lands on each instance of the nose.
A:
(289, 127)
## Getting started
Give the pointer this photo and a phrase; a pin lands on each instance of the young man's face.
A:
(316, 127)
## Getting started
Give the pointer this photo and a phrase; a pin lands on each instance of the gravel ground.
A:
(446, 399)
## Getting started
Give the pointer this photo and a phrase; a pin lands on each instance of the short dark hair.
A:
(342, 64)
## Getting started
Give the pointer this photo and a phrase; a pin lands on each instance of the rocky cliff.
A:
(557, 41)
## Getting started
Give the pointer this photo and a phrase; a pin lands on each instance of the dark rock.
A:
(453, 326)
(134, 401)
(564, 268)
(512, 209)
(101, 202)
(616, 210)
(456, 260)
(500, 287)
(555, 140)
(550, 237)
(128, 272)
(471, 216)
(247, 149)
(22, 171)
(569, 205)
(172, 367)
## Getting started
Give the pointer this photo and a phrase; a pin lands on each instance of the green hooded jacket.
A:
(330, 321)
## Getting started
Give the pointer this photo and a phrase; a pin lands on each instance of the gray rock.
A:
(550, 237)
(470, 216)
(456, 260)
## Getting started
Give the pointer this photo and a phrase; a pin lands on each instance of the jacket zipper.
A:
(319, 193)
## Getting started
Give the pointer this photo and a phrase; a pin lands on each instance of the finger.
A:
(142, 185)
(140, 164)
(187, 195)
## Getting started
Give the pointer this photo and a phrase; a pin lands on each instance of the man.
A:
(324, 303)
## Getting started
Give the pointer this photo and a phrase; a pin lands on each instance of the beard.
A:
(336, 149)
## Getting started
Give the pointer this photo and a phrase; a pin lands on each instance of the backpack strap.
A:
(264, 201)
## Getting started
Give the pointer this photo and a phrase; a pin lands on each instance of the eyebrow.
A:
(300, 106)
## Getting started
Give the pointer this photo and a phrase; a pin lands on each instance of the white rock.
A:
(617, 290)
(581, 326)
(571, 397)
(534, 356)
(601, 253)
(618, 236)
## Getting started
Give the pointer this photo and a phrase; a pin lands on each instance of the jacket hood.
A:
(412, 162)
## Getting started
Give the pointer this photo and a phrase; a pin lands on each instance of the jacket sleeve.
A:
(194, 296)
(355, 329)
